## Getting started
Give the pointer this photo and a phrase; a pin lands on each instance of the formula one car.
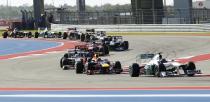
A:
(51, 34)
(157, 66)
(96, 48)
(70, 59)
(74, 34)
(100, 35)
(116, 43)
(90, 35)
(47, 34)
(99, 48)
(99, 66)
(93, 35)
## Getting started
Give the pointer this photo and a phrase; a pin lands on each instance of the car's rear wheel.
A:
(90, 69)
(5, 35)
(65, 35)
(79, 68)
(30, 35)
(82, 37)
(36, 35)
(106, 50)
(118, 67)
(102, 51)
(134, 70)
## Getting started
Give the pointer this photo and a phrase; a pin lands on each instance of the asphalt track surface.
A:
(106, 96)
(43, 71)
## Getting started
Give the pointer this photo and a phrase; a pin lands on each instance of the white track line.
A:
(32, 55)
(19, 57)
(35, 55)
(101, 96)
(53, 52)
(188, 57)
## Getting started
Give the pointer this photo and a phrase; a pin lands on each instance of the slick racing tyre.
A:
(90, 69)
(36, 35)
(106, 50)
(5, 35)
(191, 67)
(59, 35)
(82, 37)
(126, 45)
(61, 62)
(134, 70)
(65, 35)
(79, 68)
(30, 35)
(65, 63)
(117, 67)
(101, 51)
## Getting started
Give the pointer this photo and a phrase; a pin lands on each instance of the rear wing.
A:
(101, 32)
(72, 29)
(115, 36)
(82, 47)
(90, 30)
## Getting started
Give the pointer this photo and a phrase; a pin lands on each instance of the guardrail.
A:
(138, 27)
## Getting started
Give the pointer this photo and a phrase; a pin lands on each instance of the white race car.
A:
(47, 34)
(160, 67)
(116, 43)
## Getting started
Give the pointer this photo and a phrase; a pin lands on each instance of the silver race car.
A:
(157, 66)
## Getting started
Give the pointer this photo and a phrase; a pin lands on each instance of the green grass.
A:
(159, 33)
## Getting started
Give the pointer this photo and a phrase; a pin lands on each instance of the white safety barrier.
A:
(138, 27)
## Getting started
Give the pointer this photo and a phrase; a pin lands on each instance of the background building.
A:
(147, 11)
(39, 13)
(201, 11)
(81, 5)
(202, 4)
(183, 11)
